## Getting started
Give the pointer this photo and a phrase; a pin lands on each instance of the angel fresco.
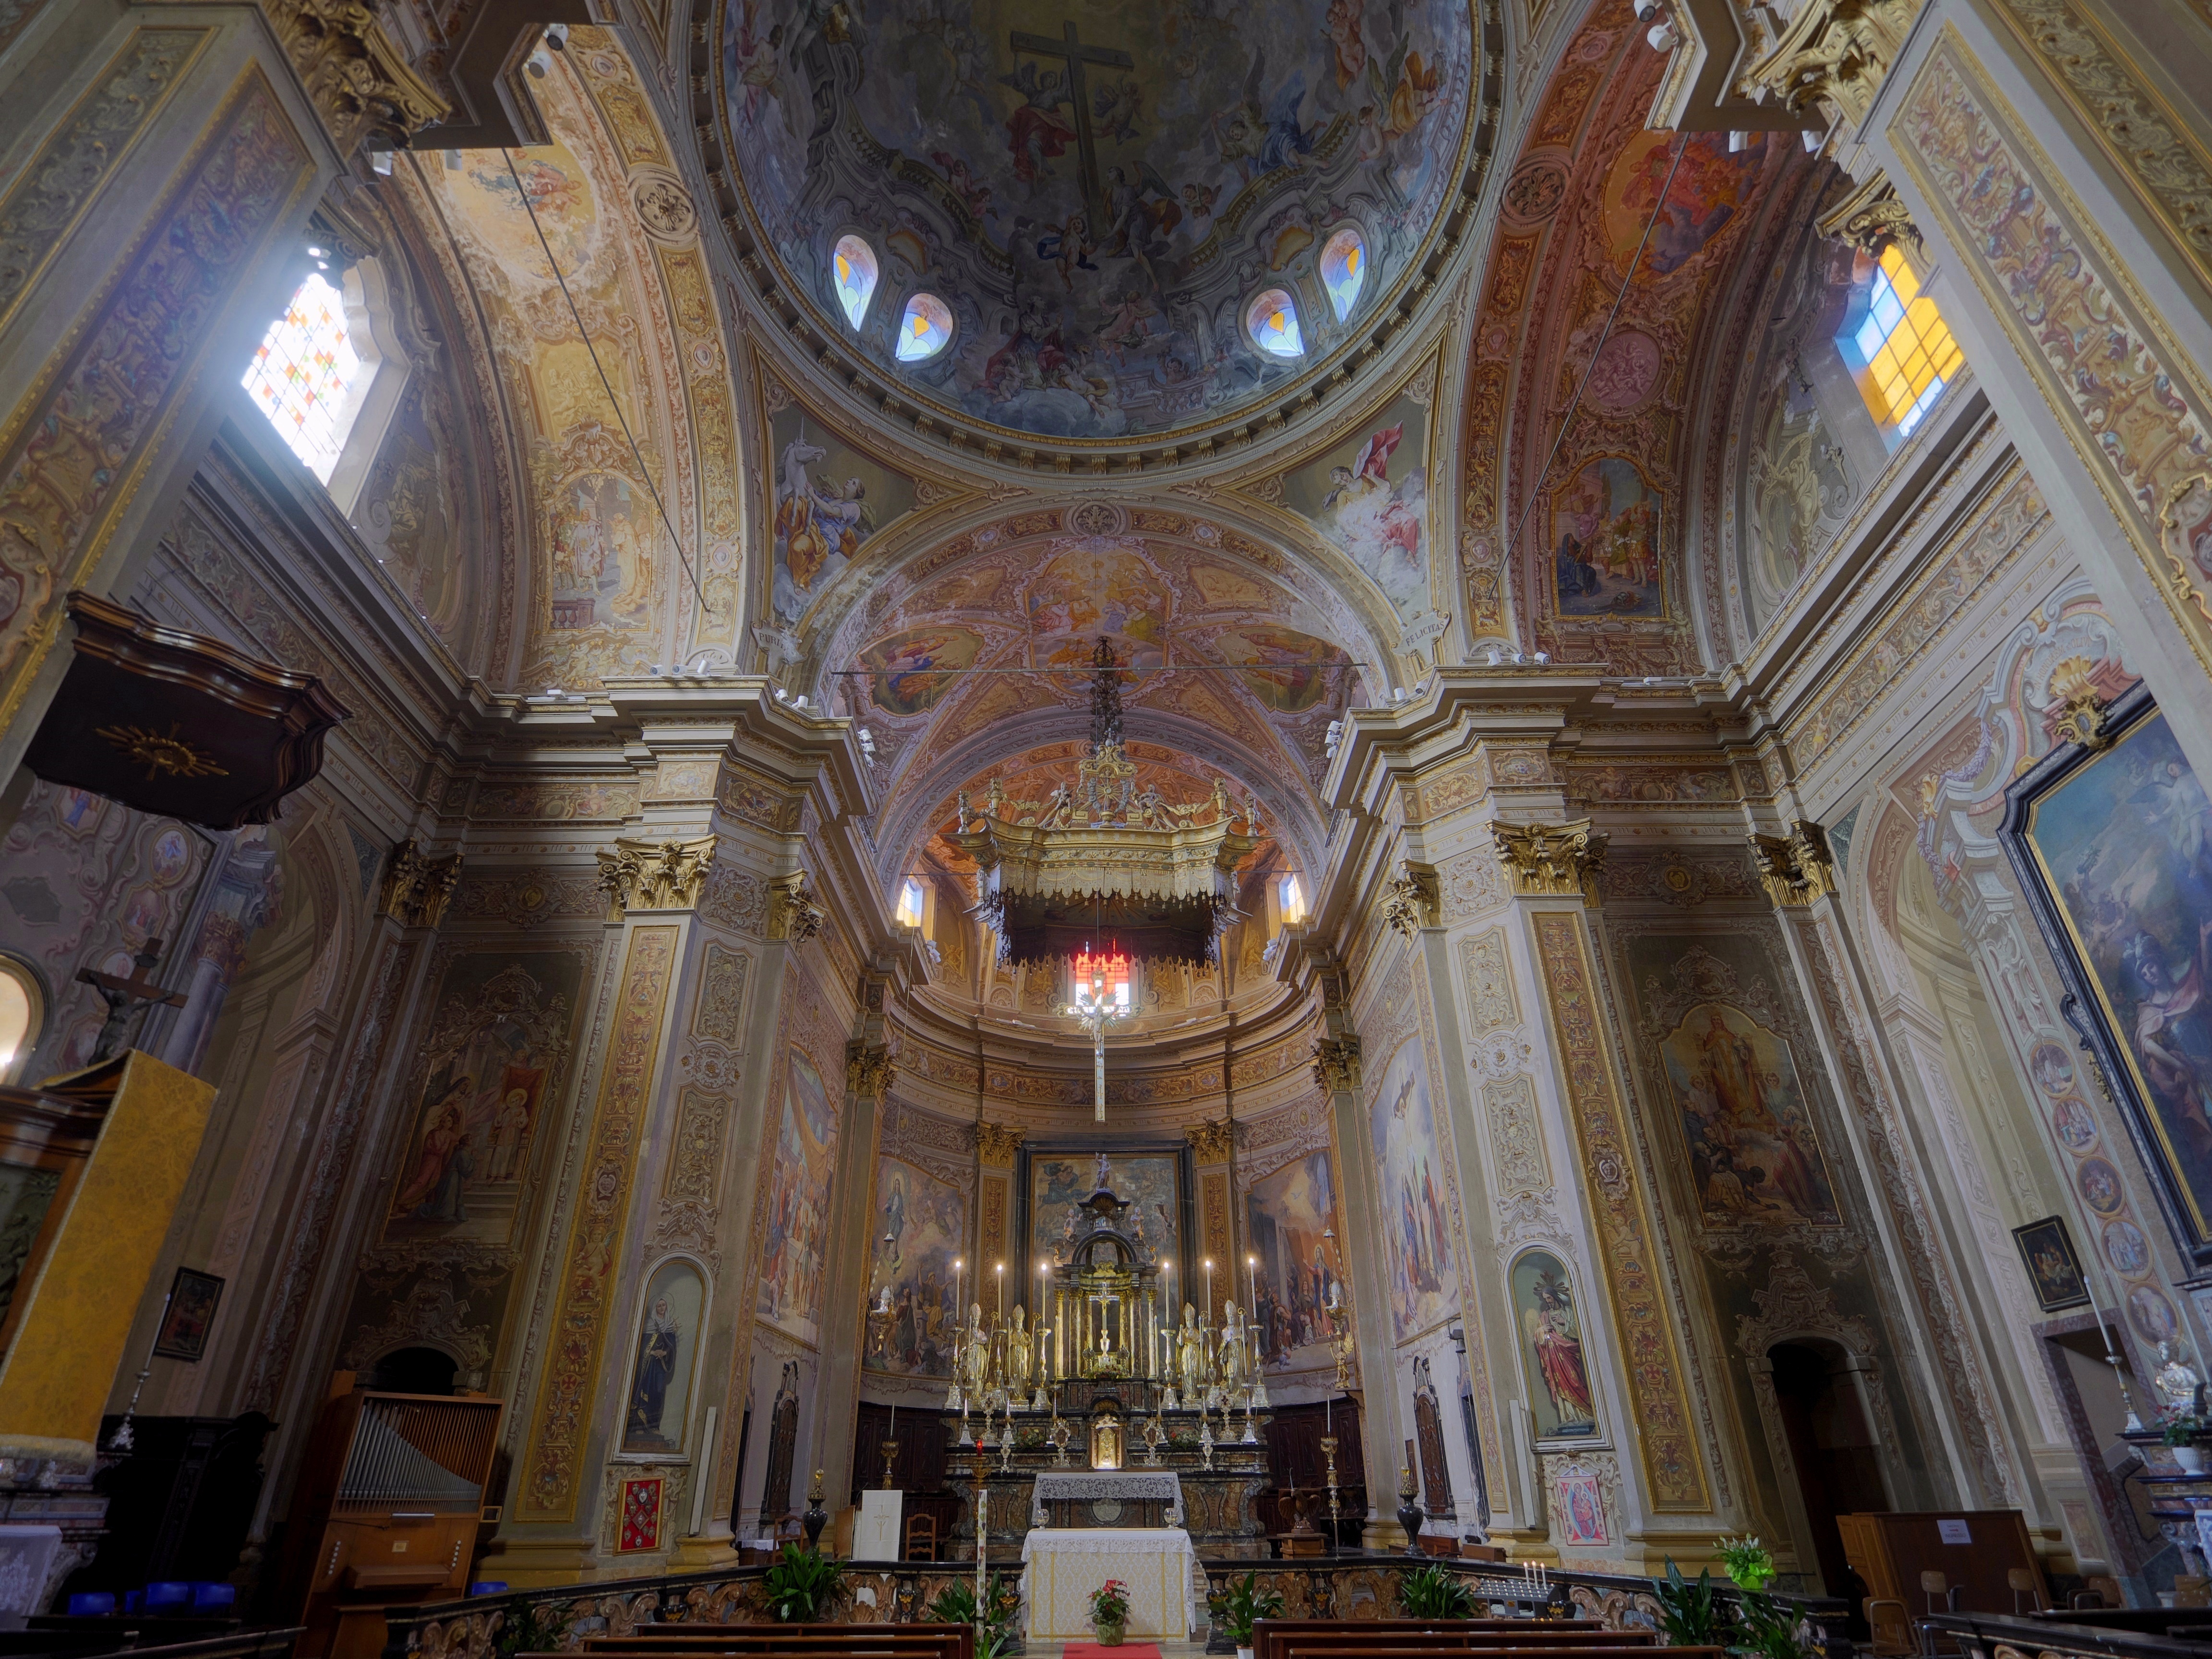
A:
(1036, 131)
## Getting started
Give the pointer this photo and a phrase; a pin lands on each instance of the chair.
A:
(1891, 1621)
(2085, 1601)
(922, 1529)
(2023, 1584)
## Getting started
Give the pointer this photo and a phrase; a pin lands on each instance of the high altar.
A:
(1114, 1440)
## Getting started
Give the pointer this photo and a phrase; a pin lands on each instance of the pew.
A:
(1492, 1638)
(815, 1641)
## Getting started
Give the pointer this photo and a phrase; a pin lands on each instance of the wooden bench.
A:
(1340, 1645)
(1494, 1638)
(916, 1641)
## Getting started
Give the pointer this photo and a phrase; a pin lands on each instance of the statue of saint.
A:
(1236, 1357)
(976, 1353)
(1021, 1356)
(1190, 1356)
(1105, 1175)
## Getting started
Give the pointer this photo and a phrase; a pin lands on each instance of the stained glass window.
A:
(925, 330)
(1901, 351)
(854, 267)
(1343, 269)
(1273, 320)
(304, 374)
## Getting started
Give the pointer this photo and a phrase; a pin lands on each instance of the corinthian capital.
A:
(1552, 860)
(1837, 54)
(645, 875)
(1797, 868)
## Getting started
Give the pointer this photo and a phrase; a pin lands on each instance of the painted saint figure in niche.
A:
(1557, 1342)
(444, 1162)
(657, 1346)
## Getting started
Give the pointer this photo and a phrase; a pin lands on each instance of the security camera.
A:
(557, 35)
(1645, 10)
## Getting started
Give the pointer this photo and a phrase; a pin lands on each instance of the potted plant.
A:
(2181, 1434)
(1110, 1612)
(956, 1605)
(530, 1629)
(1244, 1606)
(1691, 1614)
(1433, 1593)
(1770, 1624)
(801, 1583)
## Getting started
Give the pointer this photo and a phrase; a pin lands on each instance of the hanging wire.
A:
(1535, 489)
(613, 402)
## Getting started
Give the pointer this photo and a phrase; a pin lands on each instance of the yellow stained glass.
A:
(1908, 350)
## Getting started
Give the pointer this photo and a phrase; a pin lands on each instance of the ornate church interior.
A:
(1386, 821)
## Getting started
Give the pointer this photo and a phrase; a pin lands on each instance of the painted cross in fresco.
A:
(1039, 120)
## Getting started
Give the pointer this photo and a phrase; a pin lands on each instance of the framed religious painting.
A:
(2112, 839)
(191, 1311)
(2052, 1267)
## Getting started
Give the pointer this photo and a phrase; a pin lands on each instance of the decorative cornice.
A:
(997, 1143)
(1797, 868)
(1211, 1141)
(1409, 903)
(794, 913)
(645, 875)
(1549, 860)
(415, 889)
(359, 81)
(1336, 1063)
(869, 1069)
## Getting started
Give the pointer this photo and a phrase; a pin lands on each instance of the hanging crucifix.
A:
(1102, 998)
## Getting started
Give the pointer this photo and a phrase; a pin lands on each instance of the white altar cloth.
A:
(1061, 1565)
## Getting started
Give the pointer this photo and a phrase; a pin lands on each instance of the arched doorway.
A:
(413, 1370)
(1833, 1448)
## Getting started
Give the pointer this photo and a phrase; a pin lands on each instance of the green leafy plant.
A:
(1244, 1606)
(1432, 1593)
(1748, 1562)
(1770, 1627)
(800, 1583)
(1691, 1615)
(2182, 1430)
(1109, 1603)
(956, 1605)
(530, 1628)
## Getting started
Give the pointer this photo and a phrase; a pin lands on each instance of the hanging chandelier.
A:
(1100, 858)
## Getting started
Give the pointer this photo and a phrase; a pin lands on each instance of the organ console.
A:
(386, 1511)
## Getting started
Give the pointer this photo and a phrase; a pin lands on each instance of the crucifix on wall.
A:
(1037, 127)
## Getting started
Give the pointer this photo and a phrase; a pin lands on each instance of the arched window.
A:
(307, 375)
(22, 1012)
(1273, 319)
(909, 904)
(1293, 901)
(1901, 350)
(926, 330)
(1344, 269)
(854, 267)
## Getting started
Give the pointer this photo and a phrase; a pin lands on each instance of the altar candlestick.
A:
(959, 1307)
(1209, 1293)
(1000, 1272)
(893, 1434)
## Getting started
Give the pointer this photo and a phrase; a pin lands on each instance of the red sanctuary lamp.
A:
(1102, 977)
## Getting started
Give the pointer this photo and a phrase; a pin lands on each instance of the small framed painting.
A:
(191, 1312)
(1582, 1510)
(2052, 1267)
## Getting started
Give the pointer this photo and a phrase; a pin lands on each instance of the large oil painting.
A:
(1094, 191)
(1288, 1216)
(1370, 496)
(1553, 1361)
(1754, 1157)
(1419, 1266)
(1605, 542)
(491, 1068)
(920, 1224)
(798, 1202)
(664, 1359)
(829, 499)
(1060, 1181)
(2116, 850)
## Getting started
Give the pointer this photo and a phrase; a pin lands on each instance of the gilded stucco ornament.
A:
(360, 81)
(794, 913)
(1336, 1063)
(997, 1143)
(1552, 860)
(869, 1069)
(415, 889)
(1797, 868)
(2081, 716)
(1872, 217)
(1409, 903)
(1836, 52)
(645, 875)
(1211, 1140)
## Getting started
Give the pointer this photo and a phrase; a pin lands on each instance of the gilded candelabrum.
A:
(1329, 1453)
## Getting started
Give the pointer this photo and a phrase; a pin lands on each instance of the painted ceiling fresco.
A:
(1597, 573)
(957, 662)
(608, 593)
(1098, 192)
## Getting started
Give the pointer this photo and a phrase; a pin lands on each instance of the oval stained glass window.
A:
(925, 330)
(1273, 320)
(852, 269)
(1344, 269)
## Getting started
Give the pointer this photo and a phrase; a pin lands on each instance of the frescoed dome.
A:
(1096, 196)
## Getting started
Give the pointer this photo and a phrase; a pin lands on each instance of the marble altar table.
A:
(1062, 1566)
